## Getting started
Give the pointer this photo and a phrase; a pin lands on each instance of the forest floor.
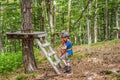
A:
(103, 63)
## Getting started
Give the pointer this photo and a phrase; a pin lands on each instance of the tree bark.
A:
(117, 22)
(89, 28)
(80, 40)
(1, 19)
(54, 3)
(1, 43)
(50, 19)
(69, 11)
(27, 44)
(50, 16)
(42, 21)
(106, 20)
(95, 23)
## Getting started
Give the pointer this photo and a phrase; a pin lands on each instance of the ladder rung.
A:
(57, 62)
(42, 35)
(52, 53)
(46, 44)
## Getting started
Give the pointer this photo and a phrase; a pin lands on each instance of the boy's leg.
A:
(68, 67)
(63, 57)
(64, 61)
(68, 64)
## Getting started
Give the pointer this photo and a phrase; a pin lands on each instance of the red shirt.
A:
(64, 50)
(63, 41)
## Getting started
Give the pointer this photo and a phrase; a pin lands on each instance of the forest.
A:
(94, 28)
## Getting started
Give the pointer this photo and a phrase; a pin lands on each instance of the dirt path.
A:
(94, 66)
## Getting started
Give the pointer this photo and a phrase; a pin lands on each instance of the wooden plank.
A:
(19, 35)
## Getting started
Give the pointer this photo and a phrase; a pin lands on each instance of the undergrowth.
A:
(25, 76)
(9, 62)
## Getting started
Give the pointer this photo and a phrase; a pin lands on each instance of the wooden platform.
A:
(19, 35)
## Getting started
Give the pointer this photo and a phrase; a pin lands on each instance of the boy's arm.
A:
(64, 47)
(63, 50)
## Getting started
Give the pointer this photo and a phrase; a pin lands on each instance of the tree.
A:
(41, 13)
(54, 3)
(89, 27)
(95, 23)
(50, 15)
(55, 15)
(27, 44)
(51, 18)
(1, 18)
(106, 19)
(117, 21)
(0, 42)
(69, 10)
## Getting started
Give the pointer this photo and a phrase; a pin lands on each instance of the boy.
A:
(63, 51)
(66, 57)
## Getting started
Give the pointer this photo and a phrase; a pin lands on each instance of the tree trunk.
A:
(1, 42)
(69, 10)
(89, 34)
(63, 18)
(1, 19)
(80, 40)
(50, 16)
(27, 44)
(54, 3)
(42, 21)
(89, 28)
(106, 20)
(117, 22)
(95, 23)
(75, 37)
(54, 22)
(50, 19)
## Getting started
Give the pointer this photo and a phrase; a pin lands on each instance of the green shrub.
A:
(25, 76)
(22, 77)
(107, 72)
(9, 62)
(38, 58)
(78, 55)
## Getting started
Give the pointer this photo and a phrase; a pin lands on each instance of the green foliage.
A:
(9, 62)
(78, 55)
(115, 41)
(25, 76)
(38, 58)
(117, 75)
(22, 77)
(36, 51)
(99, 44)
(11, 20)
(108, 72)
